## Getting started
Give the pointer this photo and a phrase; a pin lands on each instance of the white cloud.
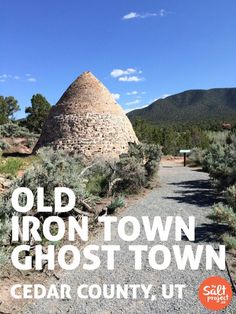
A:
(132, 93)
(31, 79)
(135, 15)
(127, 75)
(5, 76)
(144, 16)
(163, 12)
(118, 72)
(131, 15)
(9, 77)
(130, 79)
(135, 102)
(116, 96)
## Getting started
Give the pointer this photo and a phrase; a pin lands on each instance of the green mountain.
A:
(192, 106)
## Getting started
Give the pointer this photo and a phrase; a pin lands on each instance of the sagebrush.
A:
(219, 161)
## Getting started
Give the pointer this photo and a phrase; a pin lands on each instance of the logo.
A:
(215, 293)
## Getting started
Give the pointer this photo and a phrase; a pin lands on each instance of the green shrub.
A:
(10, 166)
(5, 225)
(54, 169)
(14, 130)
(219, 161)
(3, 258)
(58, 169)
(230, 196)
(222, 213)
(196, 156)
(136, 169)
(3, 145)
(97, 184)
(229, 241)
(97, 177)
(118, 202)
(130, 175)
(219, 137)
(152, 156)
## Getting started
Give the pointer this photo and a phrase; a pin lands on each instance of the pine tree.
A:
(38, 112)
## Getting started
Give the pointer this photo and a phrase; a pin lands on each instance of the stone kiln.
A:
(87, 120)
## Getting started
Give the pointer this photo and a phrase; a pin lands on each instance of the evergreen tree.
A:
(38, 112)
(172, 138)
(8, 106)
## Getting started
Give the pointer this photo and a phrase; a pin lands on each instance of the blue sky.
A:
(140, 49)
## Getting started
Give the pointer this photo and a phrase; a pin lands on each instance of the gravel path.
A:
(183, 192)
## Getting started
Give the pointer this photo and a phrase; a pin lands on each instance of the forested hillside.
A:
(193, 106)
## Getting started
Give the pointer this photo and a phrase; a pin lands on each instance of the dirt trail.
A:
(184, 192)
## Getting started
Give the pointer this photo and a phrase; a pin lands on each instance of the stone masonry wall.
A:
(91, 134)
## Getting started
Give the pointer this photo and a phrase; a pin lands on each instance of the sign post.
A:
(185, 152)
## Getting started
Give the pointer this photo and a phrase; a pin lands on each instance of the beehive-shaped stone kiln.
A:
(87, 120)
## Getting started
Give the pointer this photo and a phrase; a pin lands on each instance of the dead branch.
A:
(81, 212)
(87, 168)
(112, 184)
(87, 206)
